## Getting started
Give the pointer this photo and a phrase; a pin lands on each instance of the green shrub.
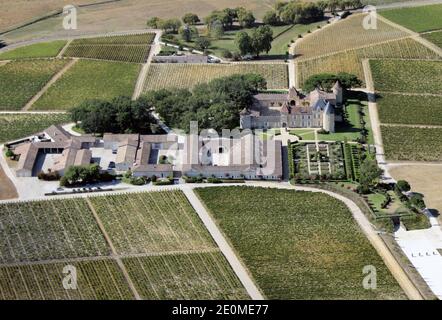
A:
(214, 180)
(9, 153)
(50, 176)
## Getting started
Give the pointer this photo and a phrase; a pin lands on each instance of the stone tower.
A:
(328, 118)
(337, 90)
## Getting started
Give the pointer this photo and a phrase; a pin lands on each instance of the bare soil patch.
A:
(7, 188)
(426, 179)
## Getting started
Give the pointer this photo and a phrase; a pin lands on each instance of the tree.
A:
(185, 33)
(299, 12)
(120, 115)
(75, 175)
(342, 4)
(202, 43)
(191, 19)
(417, 201)
(261, 40)
(279, 6)
(403, 186)
(323, 4)
(170, 25)
(215, 105)
(369, 173)
(154, 22)
(243, 42)
(217, 29)
(325, 81)
(225, 17)
(332, 5)
(356, 4)
(188, 33)
(246, 18)
(271, 18)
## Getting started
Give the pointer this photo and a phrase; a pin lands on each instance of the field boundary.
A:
(63, 50)
(113, 250)
(54, 79)
(421, 126)
(398, 93)
(139, 86)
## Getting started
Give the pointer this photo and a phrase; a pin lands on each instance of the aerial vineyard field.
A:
(298, 245)
(154, 222)
(350, 60)
(44, 230)
(161, 75)
(130, 48)
(38, 50)
(89, 79)
(185, 277)
(413, 144)
(128, 53)
(435, 37)
(344, 35)
(412, 76)
(97, 280)
(21, 80)
(144, 38)
(19, 125)
(409, 109)
(419, 18)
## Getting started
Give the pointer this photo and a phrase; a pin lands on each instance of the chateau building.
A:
(293, 110)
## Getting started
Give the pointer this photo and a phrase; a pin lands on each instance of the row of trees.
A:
(120, 115)
(299, 12)
(215, 105)
(334, 5)
(325, 81)
(227, 17)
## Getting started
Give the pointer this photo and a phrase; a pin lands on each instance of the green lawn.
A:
(298, 245)
(38, 50)
(89, 79)
(21, 80)
(305, 134)
(351, 131)
(279, 44)
(419, 19)
(395, 207)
